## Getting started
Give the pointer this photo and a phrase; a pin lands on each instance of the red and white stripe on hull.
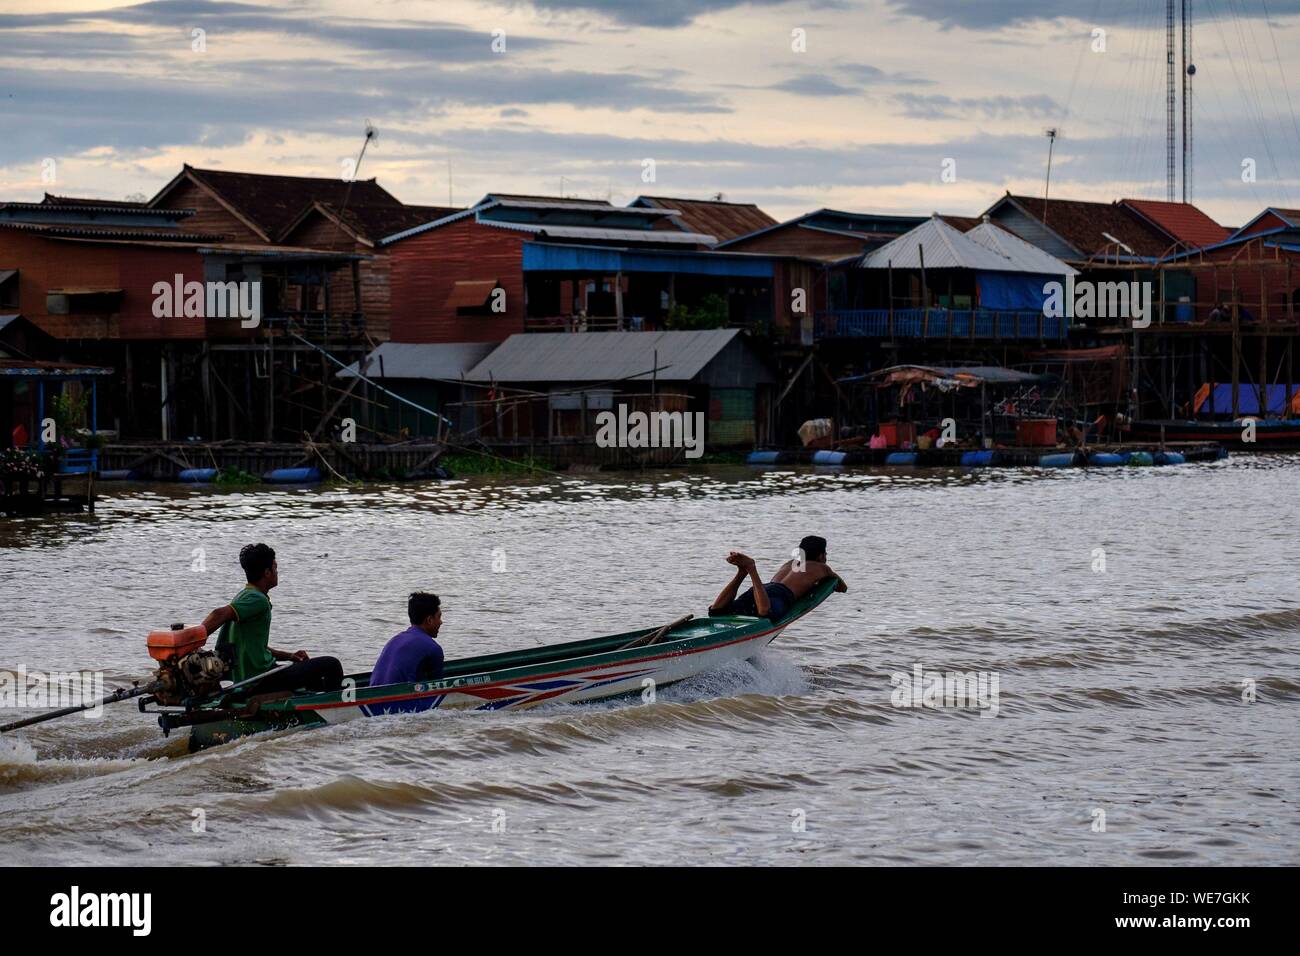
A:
(663, 666)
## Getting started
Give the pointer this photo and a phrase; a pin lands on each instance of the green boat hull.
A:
(593, 669)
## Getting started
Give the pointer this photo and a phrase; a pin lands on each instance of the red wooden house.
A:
(87, 272)
(482, 274)
(359, 228)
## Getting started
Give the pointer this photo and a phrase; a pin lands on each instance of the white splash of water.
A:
(14, 751)
(770, 674)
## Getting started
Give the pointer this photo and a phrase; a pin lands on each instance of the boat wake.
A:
(22, 767)
(1230, 629)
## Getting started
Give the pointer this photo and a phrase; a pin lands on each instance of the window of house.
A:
(86, 301)
(473, 296)
(8, 288)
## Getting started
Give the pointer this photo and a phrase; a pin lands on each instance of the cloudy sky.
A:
(852, 104)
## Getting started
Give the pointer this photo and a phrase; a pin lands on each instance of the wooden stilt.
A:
(1290, 377)
(1236, 350)
(1262, 385)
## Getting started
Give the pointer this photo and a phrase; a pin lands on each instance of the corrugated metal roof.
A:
(1025, 256)
(726, 220)
(440, 360)
(870, 225)
(606, 233)
(68, 205)
(1181, 220)
(111, 232)
(530, 198)
(583, 205)
(1289, 217)
(943, 248)
(497, 201)
(602, 356)
(1094, 227)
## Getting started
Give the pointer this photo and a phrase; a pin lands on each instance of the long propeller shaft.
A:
(122, 693)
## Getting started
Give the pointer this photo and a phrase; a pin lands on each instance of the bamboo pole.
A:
(890, 266)
(1216, 289)
(925, 294)
(270, 386)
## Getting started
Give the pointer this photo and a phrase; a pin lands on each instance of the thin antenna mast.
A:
(1047, 187)
(371, 133)
(1170, 135)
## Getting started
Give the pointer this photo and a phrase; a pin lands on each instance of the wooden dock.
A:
(164, 461)
(19, 497)
(581, 453)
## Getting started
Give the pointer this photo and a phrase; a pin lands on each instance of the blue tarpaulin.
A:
(1012, 291)
(545, 257)
(1219, 401)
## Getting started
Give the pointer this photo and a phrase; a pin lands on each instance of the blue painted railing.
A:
(940, 324)
(79, 461)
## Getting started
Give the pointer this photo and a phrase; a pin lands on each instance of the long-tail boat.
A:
(187, 692)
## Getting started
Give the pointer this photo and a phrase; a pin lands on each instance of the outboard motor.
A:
(185, 671)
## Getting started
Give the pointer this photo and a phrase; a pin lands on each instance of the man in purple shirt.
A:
(412, 655)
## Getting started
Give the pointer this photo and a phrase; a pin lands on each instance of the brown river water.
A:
(1121, 696)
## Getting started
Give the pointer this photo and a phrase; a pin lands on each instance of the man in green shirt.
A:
(245, 626)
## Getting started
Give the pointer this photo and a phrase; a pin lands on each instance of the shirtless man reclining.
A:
(774, 599)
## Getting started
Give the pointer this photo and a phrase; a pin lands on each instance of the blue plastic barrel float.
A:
(292, 476)
(1142, 458)
(1058, 460)
(197, 474)
(901, 458)
(1105, 459)
(976, 459)
(828, 458)
(1169, 458)
(118, 474)
(762, 457)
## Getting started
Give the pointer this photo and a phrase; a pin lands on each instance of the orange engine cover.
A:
(174, 644)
